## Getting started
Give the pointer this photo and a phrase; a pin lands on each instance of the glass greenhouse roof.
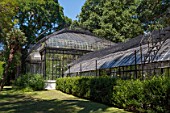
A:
(71, 40)
(77, 41)
(122, 54)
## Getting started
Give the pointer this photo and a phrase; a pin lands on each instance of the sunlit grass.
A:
(49, 102)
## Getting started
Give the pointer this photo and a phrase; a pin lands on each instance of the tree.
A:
(154, 14)
(39, 18)
(91, 12)
(33, 18)
(114, 20)
(118, 20)
(7, 11)
(43, 17)
(14, 41)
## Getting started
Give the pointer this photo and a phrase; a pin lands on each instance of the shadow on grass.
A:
(19, 103)
(88, 107)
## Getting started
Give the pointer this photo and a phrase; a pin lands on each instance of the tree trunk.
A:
(8, 64)
(4, 76)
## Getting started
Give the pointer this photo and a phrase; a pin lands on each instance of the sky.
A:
(72, 7)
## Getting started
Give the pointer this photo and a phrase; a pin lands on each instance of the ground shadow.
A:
(86, 106)
(19, 103)
(24, 104)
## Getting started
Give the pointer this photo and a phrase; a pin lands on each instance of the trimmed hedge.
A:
(30, 81)
(128, 94)
(144, 96)
(134, 95)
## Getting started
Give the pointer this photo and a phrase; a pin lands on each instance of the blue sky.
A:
(72, 7)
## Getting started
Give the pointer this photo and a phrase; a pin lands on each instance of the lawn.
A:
(52, 101)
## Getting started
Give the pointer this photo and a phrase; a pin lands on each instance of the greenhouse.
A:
(51, 55)
(139, 57)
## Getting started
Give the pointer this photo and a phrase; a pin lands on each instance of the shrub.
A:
(70, 85)
(143, 96)
(128, 94)
(156, 93)
(134, 95)
(102, 89)
(95, 88)
(33, 81)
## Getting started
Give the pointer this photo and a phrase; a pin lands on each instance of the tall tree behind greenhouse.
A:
(29, 18)
(37, 17)
(115, 20)
(8, 10)
(154, 14)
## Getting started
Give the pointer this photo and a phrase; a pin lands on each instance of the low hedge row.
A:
(134, 95)
(95, 88)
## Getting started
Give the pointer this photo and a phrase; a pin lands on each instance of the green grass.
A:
(49, 102)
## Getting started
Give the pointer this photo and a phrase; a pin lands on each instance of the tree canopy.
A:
(7, 11)
(26, 18)
(33, 17)
(14, 41)
(37, 17)
(154, 14)
(119, 20)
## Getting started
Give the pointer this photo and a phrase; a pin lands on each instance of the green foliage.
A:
(33, 18)
(144, 96)
(8, 10)
(15, 37)
(119, 20)
(134, 95)
(14, 41)
(154, 14)
(114, 20)
(95, 88)
(101, 89)
(29, 81)
(128, 94)
(156, 94)
(1, 69)
(40, 17)
(78, 86)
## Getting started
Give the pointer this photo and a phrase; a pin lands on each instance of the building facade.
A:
(51, 55)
